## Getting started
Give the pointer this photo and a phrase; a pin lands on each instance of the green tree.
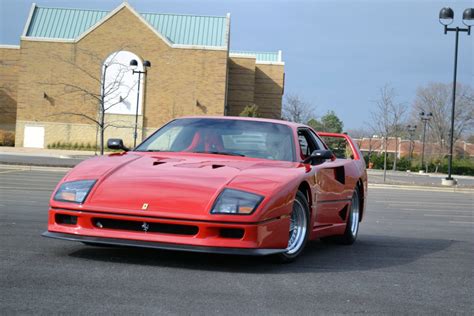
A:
(315, 124)
(331, 123)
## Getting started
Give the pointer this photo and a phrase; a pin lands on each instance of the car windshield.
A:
(223, 136)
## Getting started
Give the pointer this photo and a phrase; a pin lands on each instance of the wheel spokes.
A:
(297, 230)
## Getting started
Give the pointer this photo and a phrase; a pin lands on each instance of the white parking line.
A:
(13, 170)
(27, 188)
(431, 210)
(447, 215)
(22, 201)
(393, 203)
(459, 222)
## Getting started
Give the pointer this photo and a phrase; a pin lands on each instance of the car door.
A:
(330, 196)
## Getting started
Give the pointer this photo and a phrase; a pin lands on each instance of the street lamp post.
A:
(411, 132)
(425, 117)
(446, 16)
(146, 64)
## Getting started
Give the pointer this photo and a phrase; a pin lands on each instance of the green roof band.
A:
(69, 24)
(189, 30)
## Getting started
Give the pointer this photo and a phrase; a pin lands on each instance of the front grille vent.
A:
(148, 227)
(66, 219)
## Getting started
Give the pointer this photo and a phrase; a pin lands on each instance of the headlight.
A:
(236, 202)
(74, 191)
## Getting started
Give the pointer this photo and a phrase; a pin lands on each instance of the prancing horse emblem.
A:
(144, 206)
(145, 226)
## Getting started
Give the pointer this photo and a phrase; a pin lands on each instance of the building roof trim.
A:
(9, 46)
(225, 45)
(28, 21)
(265, 58)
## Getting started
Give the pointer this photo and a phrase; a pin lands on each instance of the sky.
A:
(337, 53)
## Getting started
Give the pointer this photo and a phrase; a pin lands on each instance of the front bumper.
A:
(157, 245)
(263, 238)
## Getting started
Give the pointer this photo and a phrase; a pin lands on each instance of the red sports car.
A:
(216, 184)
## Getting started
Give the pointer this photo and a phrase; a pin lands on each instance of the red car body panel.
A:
(180, 188)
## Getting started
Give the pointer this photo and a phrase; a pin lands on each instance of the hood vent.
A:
(156, 163)
(217, 166)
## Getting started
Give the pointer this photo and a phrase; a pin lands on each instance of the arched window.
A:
(120, 88)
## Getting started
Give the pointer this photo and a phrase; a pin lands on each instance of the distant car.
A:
(215, 184)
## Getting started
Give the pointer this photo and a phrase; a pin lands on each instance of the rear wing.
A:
(341, 145)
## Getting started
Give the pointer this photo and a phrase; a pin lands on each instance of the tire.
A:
(352, 226)
(299, 229)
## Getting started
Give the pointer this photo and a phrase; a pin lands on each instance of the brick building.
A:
(403, 147)
(52, 83)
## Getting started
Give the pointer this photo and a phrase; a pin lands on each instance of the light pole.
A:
(446, 16)
(425, 117)
(146, 64)
(411, 132)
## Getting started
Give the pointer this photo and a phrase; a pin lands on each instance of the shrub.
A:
(7, 138)
(250, 111)
(403, 164)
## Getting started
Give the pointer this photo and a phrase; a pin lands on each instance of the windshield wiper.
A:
(228, 153)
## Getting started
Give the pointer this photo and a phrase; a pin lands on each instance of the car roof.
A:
(244, 118)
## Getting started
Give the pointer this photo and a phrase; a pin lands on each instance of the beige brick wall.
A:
(241, 84)
(255, 83)
(269, 89)
(119, 126)
(180, 81)
(9, 67)
(52, 76)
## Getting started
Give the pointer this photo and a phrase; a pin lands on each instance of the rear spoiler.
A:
(352, 144)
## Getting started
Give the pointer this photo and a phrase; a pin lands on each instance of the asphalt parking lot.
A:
(414, 256)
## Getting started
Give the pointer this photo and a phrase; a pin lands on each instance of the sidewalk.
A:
(416, 179)
(43, 157)
(42, 152)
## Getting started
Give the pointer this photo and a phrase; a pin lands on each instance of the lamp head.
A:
(446, 16)
(468, 17)
(133, 63)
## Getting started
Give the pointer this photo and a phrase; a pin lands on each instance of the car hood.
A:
(178, 183)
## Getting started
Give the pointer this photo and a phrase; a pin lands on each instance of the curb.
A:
(420, 188)
(34, 168)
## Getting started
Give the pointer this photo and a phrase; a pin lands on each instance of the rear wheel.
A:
(352, 227)
(299, 229)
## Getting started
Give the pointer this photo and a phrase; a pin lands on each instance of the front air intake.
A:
(64, 219)
(145, 227)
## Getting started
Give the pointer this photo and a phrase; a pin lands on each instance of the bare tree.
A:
(102, 99)
(436, 98)
(387, 119)
(297, 110)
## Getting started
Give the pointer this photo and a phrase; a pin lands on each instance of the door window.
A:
(307, 143)
(317, 140)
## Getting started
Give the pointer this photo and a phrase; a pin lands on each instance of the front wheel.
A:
(299, 229)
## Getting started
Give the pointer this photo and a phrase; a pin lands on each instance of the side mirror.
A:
(319, 156)
(116, 143)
